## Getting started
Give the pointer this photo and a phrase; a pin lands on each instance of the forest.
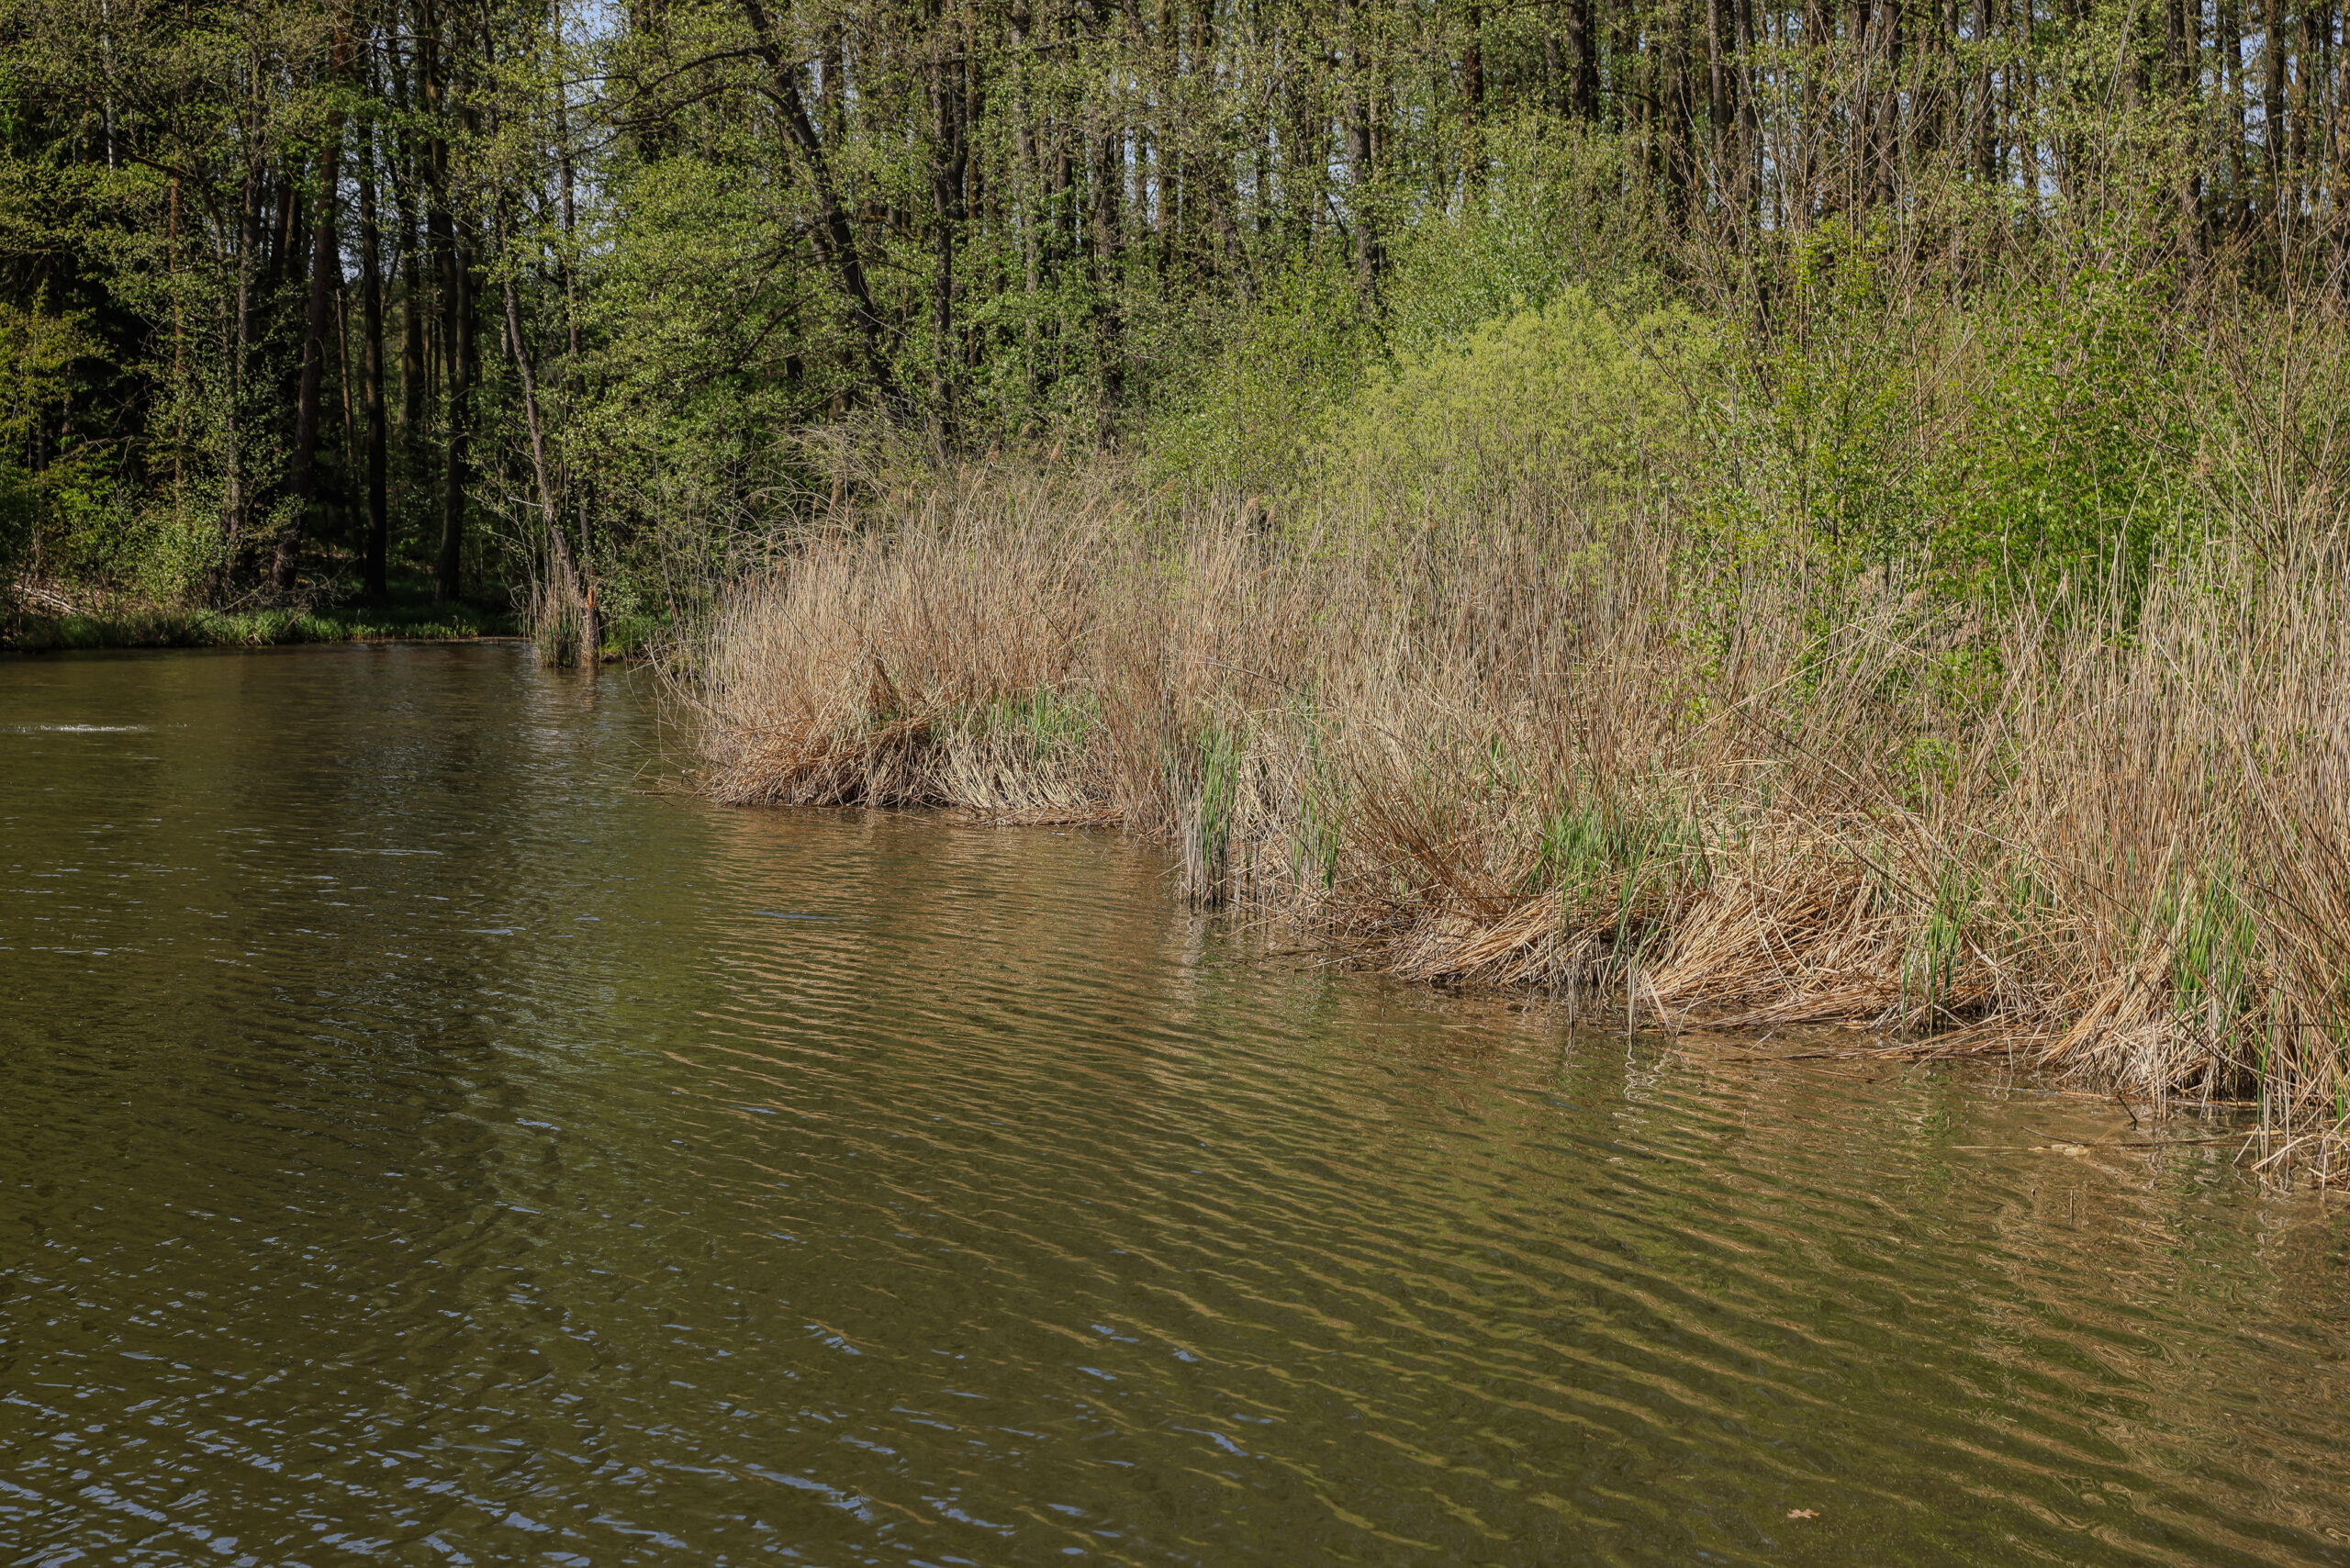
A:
(1826, 515)
(312, 296)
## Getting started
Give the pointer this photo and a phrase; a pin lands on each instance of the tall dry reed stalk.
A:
(1590, 759)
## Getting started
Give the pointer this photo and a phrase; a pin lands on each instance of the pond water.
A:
(423, 1139)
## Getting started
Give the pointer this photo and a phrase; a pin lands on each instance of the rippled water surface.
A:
(420, 1141)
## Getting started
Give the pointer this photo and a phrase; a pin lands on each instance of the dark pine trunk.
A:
(326, 280)
(456, 469)
(371, 294)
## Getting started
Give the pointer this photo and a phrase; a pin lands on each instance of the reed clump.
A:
(1963, 670)
(1532, 751)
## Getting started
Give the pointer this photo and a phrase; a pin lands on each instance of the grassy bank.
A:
(48, 621)
(48, 624)
(2098, 833)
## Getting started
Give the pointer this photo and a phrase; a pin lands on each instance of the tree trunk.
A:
(2275, 128)
(592, 624)
(948, 169)
(326, 281)
(1583, 63)
(371, 294)
(456, 471)
(1371, 259)
(550, 511)
(1472, 66)
(405, 165)
(234, 496)
(836, 244)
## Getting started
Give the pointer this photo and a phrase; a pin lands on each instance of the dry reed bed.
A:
(1521, 754)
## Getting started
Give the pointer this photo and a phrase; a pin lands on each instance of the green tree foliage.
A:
(602, 299)
(37, 354)
(1570, 400)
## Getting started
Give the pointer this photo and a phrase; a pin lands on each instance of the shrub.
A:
(1575, 397)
